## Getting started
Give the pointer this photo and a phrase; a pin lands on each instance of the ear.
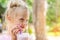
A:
(8, 17)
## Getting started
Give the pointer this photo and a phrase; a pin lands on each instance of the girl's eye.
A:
(21, 19)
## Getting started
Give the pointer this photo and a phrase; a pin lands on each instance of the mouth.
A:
(20, 25)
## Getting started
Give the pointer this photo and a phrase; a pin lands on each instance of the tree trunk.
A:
(39, 19)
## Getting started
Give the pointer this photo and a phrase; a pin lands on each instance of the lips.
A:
(21, 26)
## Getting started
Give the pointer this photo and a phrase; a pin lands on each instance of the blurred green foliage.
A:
(2, 7)
(29, 3)
(3, 4)
(51, 13)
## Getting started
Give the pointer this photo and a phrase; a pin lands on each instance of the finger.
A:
(15, 31)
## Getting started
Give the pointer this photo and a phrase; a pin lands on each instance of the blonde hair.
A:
(16, 3)
(13, 4)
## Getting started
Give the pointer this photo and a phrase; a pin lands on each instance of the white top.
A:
(19, 37)
(5, 37)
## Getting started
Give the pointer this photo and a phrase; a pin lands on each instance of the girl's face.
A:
(18, 18)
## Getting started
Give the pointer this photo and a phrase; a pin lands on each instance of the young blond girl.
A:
(16, 18)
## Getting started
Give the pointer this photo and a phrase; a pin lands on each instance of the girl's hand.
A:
(14, 32)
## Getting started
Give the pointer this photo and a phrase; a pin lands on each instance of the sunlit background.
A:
(52, 17)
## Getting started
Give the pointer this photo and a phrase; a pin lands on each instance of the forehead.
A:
(20, 12)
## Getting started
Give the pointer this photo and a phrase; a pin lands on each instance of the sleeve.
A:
(5, 37)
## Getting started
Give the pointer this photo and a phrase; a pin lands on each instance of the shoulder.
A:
(5, 37)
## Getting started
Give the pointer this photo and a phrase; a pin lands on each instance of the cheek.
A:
(12, 27)
(26, 24)
(11, 20)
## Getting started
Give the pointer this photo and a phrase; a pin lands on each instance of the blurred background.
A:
(52, 16)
